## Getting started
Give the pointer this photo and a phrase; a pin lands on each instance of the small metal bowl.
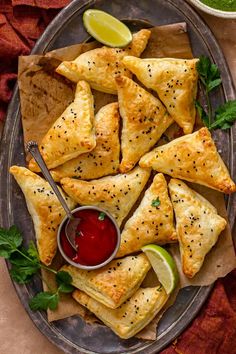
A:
(82, 266)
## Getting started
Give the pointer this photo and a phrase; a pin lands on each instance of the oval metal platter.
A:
(73, 335)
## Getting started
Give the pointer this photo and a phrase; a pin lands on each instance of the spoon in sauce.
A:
(73, 222)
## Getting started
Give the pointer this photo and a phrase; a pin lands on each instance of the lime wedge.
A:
(106, 28)
(163, 265)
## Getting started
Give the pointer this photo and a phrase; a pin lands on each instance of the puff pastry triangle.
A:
(44, 208)
(144, 121)
(113, 284)
(197, 223)
(72, 134)
(152, 221)
(104, 159)
(100, 66)
(174, 80)
(116, 194)
(194, 158)
(132, 316)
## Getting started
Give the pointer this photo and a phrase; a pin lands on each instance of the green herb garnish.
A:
(25, 263)
(210, 79)
(156, 202)
(44, 300)
(225, 116)
(101, 216)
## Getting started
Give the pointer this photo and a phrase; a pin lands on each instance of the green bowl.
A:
(212, 11)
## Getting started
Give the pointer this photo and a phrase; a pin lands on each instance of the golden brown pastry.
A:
(116, 194)
(44, 208)
(174, 80)
(131, 317)
(192, 157)
(72, 134)
(100, 66)
(152, 221)
(145, 119)
(113, 284)
(198, 225)
(104, 159)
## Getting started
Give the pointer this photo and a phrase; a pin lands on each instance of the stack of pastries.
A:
(108, 160)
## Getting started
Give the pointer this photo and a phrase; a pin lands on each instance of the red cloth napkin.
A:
(21, 23)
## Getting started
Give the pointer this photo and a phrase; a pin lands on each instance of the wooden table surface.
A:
(18, 335)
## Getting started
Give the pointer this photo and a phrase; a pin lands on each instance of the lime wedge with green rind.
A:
(163, 265)
(106, 29)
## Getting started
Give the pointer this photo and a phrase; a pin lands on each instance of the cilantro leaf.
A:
(202, 114)
(225, 116)
(23, 268)
(66, 288)
(33, 252)
(101, 216)
(10, 240)
(64, 281)
(44, 300)
(156, 202)
(209, 73)
(213, 84)
(63, 277)
(23, 274)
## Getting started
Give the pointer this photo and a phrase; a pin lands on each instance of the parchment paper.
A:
(44, 96)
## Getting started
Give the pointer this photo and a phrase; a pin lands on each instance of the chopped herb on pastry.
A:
(44, 208)
(152, 221)
(116, 194)
(198, 225)
(73, 132)
(144, 118)
(114, 283)
(194, 158)
(174, 80)
(133, 315)
(104, 159)
(100, 66)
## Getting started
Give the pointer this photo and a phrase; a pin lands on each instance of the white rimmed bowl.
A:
(212, 11)
(82, 266)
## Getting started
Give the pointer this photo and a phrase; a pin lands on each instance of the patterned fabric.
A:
(21, 23)
(214, 330)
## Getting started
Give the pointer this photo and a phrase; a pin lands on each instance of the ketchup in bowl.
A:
(97, 238)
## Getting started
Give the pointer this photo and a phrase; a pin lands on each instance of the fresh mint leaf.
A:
(101, 216)
(156, 202)
(225, 116)
(10, 240)
(44, 300)
(202, 114)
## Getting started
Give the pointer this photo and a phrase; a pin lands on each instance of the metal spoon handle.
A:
(32, 147)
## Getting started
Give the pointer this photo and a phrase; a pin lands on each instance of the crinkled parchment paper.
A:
(44, 96)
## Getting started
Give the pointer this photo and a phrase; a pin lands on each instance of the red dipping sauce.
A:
(96, 240)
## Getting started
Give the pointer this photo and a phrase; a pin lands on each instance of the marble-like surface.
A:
(18, 335)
